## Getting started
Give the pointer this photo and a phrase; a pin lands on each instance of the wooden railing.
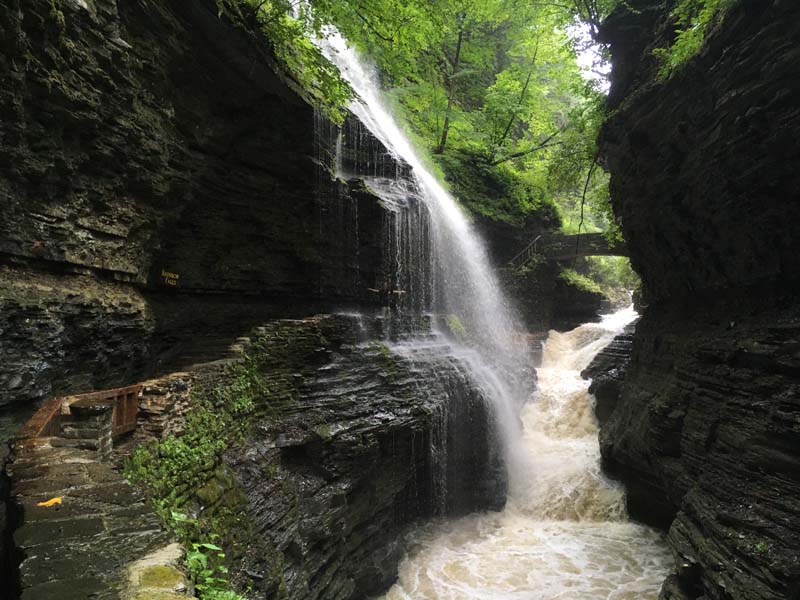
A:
(47, 421)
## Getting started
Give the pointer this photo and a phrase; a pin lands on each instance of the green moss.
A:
(323, 430)
(162, 576)
(581, 282)
(57, 15)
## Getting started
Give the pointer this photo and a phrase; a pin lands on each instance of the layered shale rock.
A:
(158, 180)
(704, 164)
(702, 421)
(355, 441)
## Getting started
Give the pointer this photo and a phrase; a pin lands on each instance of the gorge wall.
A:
(159, 181)
(701, 410)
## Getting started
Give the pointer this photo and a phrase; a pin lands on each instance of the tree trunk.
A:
(446, 129)
(519, 103)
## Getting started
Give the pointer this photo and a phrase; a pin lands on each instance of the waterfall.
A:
(461, 281)
(564, 531)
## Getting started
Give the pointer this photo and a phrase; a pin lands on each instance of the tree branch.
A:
(583, 204)
(545, 144)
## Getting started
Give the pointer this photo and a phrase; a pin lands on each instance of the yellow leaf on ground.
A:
(51, 502)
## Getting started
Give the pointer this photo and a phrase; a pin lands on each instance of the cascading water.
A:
(461, 280)
(563, 533)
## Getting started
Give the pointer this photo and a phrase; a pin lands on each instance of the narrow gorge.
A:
(417, 300)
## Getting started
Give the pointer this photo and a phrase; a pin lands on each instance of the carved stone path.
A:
(96, 528)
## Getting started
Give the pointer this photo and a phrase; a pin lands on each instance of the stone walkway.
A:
(86, 532)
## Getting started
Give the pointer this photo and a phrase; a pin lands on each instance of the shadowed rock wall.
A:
(703, 421)
(158, 181)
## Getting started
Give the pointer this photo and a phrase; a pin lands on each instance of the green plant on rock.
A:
(693, 18)
(455, 326)
(57, 15)
(205, 561)
(174, 470)
(581, 282)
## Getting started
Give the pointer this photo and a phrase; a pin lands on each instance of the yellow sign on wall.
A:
(169, 278)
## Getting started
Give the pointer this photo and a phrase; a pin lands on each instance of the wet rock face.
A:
(702, 420)
(704, 428)
(354, 444)
(607, 373)
(157, 180)
(704, 165)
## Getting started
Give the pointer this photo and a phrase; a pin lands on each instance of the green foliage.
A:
(612, 272)
(205, 560)
(693, 19)
(615, 276)
(290, 36)
(497, 192)
(581, 282)
(455, 326)
(593, 12)
(172, 470)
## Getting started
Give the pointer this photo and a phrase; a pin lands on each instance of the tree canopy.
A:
(491, 89)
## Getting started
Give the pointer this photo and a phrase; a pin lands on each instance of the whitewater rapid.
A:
(564, 533)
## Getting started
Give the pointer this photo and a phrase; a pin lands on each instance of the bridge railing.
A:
(47, 421)
(525, 255)
(559, 247)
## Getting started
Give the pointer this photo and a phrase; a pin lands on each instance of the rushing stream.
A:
(564, 533)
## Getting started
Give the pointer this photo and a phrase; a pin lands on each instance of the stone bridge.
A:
(557, 246)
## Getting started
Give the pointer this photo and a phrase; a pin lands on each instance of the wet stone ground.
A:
(85, 530)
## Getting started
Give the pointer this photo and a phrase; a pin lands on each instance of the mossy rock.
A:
(162, 577)
(157, 595)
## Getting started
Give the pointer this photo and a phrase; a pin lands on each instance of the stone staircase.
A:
(84, 526)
